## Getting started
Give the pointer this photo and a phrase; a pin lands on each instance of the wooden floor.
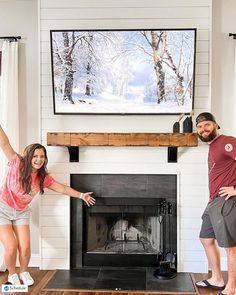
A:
(41, 278)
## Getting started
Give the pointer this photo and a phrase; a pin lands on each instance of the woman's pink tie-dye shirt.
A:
(12, 192)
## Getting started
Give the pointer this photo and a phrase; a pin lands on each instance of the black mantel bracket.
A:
(172, 156)
(73, 153)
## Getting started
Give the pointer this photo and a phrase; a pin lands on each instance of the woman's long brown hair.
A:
(26, 168)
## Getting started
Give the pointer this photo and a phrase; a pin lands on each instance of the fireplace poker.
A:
(161, 215)
(170, 256)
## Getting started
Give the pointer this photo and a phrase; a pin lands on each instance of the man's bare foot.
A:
(228, 291)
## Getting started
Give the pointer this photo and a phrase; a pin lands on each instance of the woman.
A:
(26, 177)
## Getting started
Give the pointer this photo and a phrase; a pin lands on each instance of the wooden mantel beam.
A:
(122, 139)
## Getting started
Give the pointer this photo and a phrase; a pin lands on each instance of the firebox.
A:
(132, 224)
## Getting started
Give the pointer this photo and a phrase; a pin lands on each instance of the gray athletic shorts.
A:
(219, 222)
(9, 215)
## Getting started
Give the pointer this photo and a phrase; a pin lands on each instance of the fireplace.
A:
(133, 223)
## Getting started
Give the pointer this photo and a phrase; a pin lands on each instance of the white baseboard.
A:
(34, 262)
(3, 267)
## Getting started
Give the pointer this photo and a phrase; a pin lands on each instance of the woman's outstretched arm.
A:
(5, 145)
(66, 190)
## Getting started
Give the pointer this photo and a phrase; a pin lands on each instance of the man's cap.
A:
(205, 117)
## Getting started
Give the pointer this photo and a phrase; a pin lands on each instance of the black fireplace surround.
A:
(133, 222)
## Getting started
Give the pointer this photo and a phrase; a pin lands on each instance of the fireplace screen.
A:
(119, 231)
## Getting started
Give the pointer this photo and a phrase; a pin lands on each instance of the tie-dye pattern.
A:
(12, 192)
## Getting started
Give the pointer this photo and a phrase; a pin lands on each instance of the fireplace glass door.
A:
(122, 229)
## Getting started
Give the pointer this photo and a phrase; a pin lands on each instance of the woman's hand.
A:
(69, 191)
(88, 199)
(227, 191)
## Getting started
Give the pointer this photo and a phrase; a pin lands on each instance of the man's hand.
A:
(227, 191)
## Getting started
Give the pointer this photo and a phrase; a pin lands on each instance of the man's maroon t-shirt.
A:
(221, 164)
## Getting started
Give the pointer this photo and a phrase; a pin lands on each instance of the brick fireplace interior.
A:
(133, 223)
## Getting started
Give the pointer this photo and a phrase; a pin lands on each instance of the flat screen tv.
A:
(123, 71)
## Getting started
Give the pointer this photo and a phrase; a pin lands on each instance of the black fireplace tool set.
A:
(166, 257)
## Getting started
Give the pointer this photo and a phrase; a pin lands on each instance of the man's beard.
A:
(210, 137)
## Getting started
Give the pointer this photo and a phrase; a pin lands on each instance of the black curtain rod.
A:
(232, 35)
(15, 38)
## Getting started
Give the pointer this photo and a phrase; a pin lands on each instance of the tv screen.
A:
(123, 71)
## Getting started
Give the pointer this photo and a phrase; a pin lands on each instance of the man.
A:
(219, 217)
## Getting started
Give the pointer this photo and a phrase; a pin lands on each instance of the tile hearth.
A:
(118, 279)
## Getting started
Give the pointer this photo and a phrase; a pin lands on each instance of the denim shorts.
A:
(9, 215)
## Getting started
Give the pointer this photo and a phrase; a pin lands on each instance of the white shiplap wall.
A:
(191, 167)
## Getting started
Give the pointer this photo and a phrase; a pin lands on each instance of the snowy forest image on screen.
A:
(123, 71)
